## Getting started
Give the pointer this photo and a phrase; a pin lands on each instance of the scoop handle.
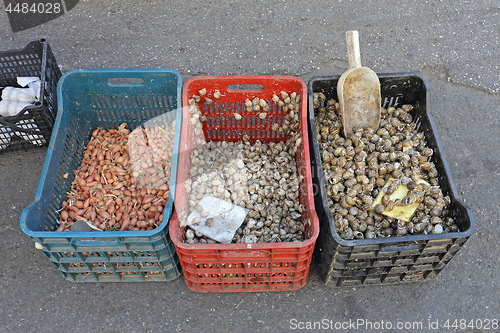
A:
(353, 54)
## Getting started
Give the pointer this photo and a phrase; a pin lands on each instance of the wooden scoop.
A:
(358, 90)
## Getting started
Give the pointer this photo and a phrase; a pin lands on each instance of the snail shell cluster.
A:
(357, 168)
(260, 177)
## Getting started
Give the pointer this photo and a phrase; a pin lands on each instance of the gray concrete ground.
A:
(455, 44)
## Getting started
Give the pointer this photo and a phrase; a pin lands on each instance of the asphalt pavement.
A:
(454, 44)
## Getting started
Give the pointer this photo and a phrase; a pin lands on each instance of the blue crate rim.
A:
(394, 239)
(104, 234)
(100, 234)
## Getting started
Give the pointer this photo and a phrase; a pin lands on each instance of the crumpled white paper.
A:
(224, 219)
(33, 83)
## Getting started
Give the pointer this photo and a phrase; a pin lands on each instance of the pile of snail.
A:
(357, 168)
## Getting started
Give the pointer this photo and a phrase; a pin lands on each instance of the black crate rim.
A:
(319, 169)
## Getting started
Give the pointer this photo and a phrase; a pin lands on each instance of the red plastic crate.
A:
(244, 267)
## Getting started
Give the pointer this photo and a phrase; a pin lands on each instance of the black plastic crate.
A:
(31, 128)
(391, 259)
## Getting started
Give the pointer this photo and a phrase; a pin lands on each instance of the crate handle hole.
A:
(95, 242)
(246, 254)
(400, 247)
(125, 80)
(240, 87)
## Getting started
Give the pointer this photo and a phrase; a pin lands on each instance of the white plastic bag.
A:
(223, 219)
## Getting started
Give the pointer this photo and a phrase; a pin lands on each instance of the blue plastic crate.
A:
(104, 98)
